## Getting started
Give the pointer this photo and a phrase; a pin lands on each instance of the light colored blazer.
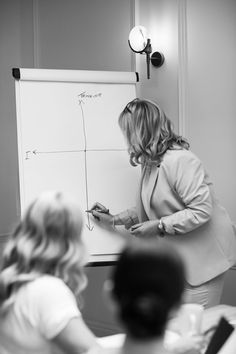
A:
(180, 193)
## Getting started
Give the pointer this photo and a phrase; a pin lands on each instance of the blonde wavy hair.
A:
(148, 132)
(46, 241)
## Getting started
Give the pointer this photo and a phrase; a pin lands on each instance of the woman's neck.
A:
(154, 346)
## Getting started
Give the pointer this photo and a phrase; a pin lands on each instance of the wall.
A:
(211, 88)
(161, 20)
(210, 122)
(195, 86)
(88, 35)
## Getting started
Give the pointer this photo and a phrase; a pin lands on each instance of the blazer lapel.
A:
(148, 179)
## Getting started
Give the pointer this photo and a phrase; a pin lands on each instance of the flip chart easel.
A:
(69, 140)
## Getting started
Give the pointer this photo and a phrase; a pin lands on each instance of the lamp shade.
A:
(138, 38)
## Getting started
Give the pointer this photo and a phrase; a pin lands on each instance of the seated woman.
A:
(146, 286)
(41, 279)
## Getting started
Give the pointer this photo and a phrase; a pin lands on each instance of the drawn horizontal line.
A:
(36, 152)
(106, 149)
(55, 151)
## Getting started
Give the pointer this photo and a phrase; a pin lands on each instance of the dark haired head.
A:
(148, 282)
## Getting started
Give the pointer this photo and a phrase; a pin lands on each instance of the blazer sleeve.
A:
(127, 218)
(187, 179)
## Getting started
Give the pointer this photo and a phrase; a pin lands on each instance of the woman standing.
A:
(175, 202)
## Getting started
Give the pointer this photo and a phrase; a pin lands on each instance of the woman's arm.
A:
(127, 218)
(76, 338)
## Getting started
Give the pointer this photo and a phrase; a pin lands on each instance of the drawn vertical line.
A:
(85, 162)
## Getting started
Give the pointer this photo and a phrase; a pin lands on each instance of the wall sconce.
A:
(140, 43)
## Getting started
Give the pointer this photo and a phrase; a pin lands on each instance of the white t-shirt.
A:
(42, 309)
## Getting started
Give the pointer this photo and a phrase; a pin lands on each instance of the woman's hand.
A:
(102, 215)
(145, 229)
